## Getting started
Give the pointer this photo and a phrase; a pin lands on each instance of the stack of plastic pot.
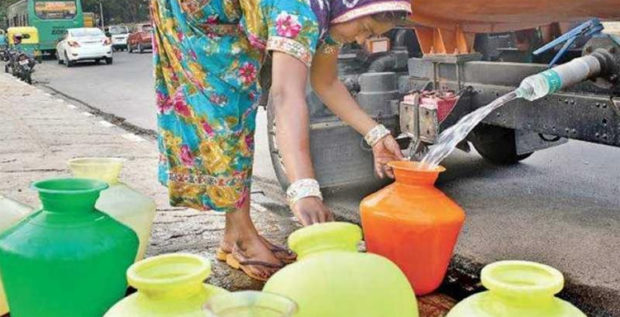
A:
(120, 201)
(413, 224)
(168, 285)
(332, 279)
(516, 289)
(11, 212)
(68, 258)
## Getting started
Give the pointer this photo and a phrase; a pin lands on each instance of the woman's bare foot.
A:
(280, 252)
(246, 246)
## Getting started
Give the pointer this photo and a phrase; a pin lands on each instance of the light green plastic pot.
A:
(332, 279)
(120, 201)
(518, 289)
(168, 285)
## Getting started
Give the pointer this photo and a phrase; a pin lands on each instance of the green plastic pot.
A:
(67, 259)
(332, 279)
(517, 289)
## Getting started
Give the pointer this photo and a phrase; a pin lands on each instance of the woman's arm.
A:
(333, 93)
(288, 99)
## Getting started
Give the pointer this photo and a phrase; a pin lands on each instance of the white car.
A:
(118, 34)
(84, 44)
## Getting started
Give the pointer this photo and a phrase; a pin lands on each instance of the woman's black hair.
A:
(398, 18)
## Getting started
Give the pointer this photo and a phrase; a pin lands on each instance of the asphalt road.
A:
(125, 89)
(561, 206)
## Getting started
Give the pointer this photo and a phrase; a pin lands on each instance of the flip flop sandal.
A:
(221, 255)
(283, 254)
(244, 265)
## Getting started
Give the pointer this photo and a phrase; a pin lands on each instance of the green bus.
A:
(50, 17)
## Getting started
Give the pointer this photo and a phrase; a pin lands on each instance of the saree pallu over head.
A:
(339, 11)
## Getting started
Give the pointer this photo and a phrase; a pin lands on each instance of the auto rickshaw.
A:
(29, 40)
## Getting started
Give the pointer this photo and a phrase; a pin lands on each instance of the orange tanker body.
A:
(449, 26)
(484, 16)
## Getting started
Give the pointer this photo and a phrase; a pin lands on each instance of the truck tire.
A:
(496, 144)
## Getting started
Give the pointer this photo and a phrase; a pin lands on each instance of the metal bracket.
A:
(616, 103)
(457, 60)
(409, 116)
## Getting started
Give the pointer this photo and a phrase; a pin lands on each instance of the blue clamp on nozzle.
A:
(588, 28)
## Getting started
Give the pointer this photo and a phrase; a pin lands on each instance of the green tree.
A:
(4, 4)
(119, 11)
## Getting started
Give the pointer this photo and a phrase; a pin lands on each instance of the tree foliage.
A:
(4, 4)
(119, 11)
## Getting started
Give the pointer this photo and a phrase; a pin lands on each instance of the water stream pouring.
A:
(531, 88)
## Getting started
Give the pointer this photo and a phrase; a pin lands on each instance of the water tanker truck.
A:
(460, 56)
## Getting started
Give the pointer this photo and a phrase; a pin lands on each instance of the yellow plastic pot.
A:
(168, 285)
(120, 201)
(517, 289)
(11, 212)
(332, 279)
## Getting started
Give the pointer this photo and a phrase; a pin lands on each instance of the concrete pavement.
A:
(39, 132)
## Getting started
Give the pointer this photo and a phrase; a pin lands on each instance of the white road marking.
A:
(106, 124)
(132, 137)
(70, 106)
(88, 114)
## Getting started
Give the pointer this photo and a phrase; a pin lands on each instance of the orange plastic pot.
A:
(413, 224)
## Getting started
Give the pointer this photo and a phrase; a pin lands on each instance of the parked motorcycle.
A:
(24, 67)
(4, 54)
(19, 62)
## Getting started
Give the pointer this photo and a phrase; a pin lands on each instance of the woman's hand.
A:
(311, 210)
(385, 151)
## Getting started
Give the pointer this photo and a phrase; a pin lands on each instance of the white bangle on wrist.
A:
(302, 188)
(376, 134)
